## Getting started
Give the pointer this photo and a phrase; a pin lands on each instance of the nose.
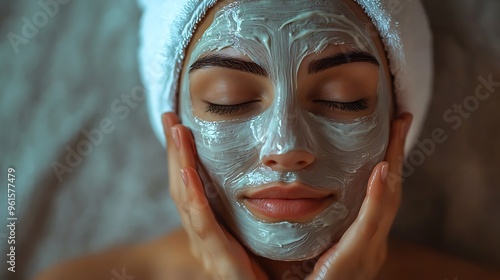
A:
(290, 161)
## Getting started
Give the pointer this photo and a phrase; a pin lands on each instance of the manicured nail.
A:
(175, 136)
(383, 172)
(404, 130)
(167, 120)
(184, 177)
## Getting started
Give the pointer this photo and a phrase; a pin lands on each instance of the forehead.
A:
(281, 14)
(286, 23)
(306, 13)
(303, 5)
(356, 10)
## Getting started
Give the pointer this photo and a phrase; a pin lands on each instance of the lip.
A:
(294, 202)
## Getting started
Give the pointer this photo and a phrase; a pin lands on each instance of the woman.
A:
(261, 98)
(291, 106)
(295, 56)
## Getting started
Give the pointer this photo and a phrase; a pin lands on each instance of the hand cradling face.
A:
(278, 35)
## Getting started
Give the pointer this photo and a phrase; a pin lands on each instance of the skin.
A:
(202, 83)
(203, 249)
(362, 250)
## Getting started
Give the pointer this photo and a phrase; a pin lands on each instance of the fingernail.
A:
(383, 172)
(404, 130)
(184, 177)
(167, 120)
(175, 136)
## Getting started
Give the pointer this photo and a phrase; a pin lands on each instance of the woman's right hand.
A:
(222, 256)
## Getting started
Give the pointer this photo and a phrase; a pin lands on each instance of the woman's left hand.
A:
(362, 250)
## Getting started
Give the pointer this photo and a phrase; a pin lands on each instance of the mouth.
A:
(295, 202)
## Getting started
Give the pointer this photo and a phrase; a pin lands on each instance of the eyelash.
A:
(217, 109)
(354, 106)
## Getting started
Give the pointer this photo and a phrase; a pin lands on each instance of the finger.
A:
(169, 120)
(383, 188)
(383, 191)
(176, 187)
(186, 148)
(367, 235)
(395, 157)
(346, 256)
(393, 184)
(383, 194)
(395, 150)
(388, 193)
(211, 243)
(228, 257)
(185, 158)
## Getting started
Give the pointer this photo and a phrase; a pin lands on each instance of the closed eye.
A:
(355, 106)
(218, 109)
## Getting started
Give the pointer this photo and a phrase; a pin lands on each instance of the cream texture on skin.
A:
(231, 151)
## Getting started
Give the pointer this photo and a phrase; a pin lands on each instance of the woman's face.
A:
(289, 104)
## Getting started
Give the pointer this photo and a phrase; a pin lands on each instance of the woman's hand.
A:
(218, 251)
(358, 255)
(362, 250)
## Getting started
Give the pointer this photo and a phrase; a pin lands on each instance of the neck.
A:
(286, 269)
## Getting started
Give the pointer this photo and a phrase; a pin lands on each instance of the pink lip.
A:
(287, 202)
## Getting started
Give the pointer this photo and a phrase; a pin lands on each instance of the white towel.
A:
(167, 27)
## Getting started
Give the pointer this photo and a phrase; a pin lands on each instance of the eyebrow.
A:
(217, 60)
(339, 59)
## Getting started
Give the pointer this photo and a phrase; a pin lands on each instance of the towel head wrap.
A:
(167, 27)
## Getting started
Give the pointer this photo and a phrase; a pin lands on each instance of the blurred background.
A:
(90, 174)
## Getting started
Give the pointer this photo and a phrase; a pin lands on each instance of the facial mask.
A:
(231, 151)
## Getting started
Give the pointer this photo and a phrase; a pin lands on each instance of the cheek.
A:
(226, 151)
(352, 139)
(351, 148)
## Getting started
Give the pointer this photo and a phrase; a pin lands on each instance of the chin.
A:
(287, 240)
